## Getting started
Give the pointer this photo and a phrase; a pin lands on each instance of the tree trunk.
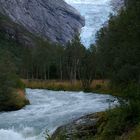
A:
(48, 72)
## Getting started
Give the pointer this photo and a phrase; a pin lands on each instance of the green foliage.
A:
(88, 68)
(118, 46)
(118, 59)
(73, 55)
(8, 78)
(46, 60)
(10, 62)
(120, 121)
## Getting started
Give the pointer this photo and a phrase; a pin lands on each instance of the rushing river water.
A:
(96, 13)
(48, 110)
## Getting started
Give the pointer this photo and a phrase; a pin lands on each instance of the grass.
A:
(20, 98)
(53, 85)
(135, 134)
(15, 101)
(96, 86)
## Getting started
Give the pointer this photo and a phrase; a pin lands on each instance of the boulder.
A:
(79, 129)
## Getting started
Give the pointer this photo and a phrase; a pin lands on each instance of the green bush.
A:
(125, 117)
(97, 87)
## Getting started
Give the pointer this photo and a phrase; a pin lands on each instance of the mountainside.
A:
(51, 19)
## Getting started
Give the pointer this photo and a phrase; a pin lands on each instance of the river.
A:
(96, 13)
(49, 110)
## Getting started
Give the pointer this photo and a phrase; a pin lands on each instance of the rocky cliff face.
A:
(51, 19)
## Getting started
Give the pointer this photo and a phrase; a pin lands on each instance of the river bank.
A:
(58, 85)
(119, 123)
(97, 86)
(80, 129)
(93, 127)
(15, 101)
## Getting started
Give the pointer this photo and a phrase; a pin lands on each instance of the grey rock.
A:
(16, 32)
(79, 129)
(54, 20)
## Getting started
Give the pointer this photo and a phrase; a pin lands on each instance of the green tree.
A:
(8, 78)
(74, 52)
(88, 67)
(118, 46)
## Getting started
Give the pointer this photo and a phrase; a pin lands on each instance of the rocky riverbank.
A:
(96, 126)
(14, 101)
(81, 129)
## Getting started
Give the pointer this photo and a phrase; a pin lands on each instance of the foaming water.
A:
(49, 110)
(96, 13)
(11, 134)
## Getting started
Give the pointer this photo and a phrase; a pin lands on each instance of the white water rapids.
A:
(49, 110)
(96, 13)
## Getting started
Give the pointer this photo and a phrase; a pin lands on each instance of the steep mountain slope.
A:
(51, 19)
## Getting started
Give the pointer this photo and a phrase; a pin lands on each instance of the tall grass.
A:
(96, 86)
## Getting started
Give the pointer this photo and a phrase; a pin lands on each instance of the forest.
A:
(115, 56)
